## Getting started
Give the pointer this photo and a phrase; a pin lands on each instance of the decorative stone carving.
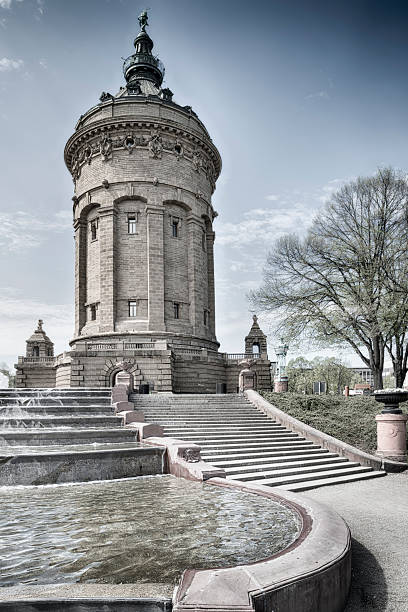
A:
(105, 183)
(155, 181)
(76, 168)
(105, 96)
(124, 365)
(135, 88)
(105, 147)
(88, 154)
(129, 143)
(155, 145)
(192, 455)
(197, 160)
(167, 94)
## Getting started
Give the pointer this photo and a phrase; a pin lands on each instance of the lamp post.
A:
(281, 379)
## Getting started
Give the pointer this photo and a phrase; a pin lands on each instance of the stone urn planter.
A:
(391, 398)
(391, 424)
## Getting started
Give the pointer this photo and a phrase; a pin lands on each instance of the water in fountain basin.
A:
(144, 530)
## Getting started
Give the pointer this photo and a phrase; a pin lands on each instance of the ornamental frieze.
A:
(157, 141)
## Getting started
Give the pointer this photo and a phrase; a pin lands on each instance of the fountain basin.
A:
(142, 530)
(311, 574)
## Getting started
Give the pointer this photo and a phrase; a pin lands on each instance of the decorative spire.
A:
(142, 65)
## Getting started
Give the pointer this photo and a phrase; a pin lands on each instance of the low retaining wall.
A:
(60, 467)
(109, 604)
(324, 440)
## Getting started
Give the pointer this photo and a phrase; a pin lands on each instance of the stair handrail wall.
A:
(329, 442)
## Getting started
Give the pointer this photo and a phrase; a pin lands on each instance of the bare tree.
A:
(339, 284)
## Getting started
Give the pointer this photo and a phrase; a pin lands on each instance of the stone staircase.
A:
(250, 446)
(51, 436)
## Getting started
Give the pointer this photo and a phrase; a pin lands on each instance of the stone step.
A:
(211, 422)
(71, 391)
(307, 475)
(259, 450)
(46, 449)
(276, 465)
(56, 400)
(246, 445)
(229, 429)
(59, 421)
(38, 437)
(18, 411)
(266, 458)
(235, 438)
(333, 480)
(198, 409)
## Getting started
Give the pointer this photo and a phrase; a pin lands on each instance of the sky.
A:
(298, 96)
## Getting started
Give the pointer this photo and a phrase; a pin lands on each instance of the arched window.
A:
(36, 351)
(255, 349)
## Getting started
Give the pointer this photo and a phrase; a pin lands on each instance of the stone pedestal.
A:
(392, 436)
(246, 379)
(281, 385)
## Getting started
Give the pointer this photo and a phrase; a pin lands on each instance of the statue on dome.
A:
(143, 21)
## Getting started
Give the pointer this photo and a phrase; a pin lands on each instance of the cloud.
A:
(272, 198)
(19, 315)
(6, 4)
(327, 190)
(7, 64)
(322, 95)
(21, 231)
(262, 225)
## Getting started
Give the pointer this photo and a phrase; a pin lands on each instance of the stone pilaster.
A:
(195, 288)
(80, 227)
(107, 241)
(155, 268)
(210, 237)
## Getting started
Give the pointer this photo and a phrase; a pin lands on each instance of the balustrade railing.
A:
(241, 356)
(43, 360)
(120, 346)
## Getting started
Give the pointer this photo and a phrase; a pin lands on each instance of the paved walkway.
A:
(377, 514)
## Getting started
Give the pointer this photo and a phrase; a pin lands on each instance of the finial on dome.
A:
(40, 325)
(143, 21)
(143, 65)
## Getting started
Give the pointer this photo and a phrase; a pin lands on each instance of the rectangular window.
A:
(94, 229)
(203, 241)
(132, 224)
(205, 317)
(93, 312)
(132, 308)
(176, 310)
(175, 228)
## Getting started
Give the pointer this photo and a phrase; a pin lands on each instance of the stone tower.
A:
(144, 170)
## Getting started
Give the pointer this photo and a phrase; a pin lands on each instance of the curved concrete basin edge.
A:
(311, 575)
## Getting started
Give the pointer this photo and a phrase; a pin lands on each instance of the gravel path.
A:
(377, 514)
